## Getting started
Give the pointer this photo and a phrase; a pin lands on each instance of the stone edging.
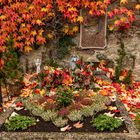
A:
(5, 115)
(124, 113)
(66, 136)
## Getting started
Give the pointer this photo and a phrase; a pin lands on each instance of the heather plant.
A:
(37, 111)
(87, 111)
(75, 115)
(49, 115)
(63, 112)
(60, 122)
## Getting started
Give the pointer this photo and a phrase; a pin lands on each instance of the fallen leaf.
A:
(66, 128)
(78, 125)
(13, 114)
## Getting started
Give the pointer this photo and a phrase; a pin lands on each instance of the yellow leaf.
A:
(42, 92)
(75, 28)
(123, 1)
(40, 32)
(2, 17)
(50, 36)
(123, 19)
(44, 10)
(80, 19)
(38, 22)
(137, 7)
(31, 7)
(33, 33)
(27, 49)
(23, 25)
(100, 82)
(90, 12)
(72, 9)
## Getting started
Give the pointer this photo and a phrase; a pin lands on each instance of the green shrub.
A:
(104, 122)
(64, 97)
(19, 123)
(122, 55)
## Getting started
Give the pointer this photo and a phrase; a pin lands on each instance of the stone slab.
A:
(67, 136)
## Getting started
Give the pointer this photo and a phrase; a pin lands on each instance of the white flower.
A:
(109, 114)
(13, 114)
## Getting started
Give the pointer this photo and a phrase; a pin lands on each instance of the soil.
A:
(43, 126)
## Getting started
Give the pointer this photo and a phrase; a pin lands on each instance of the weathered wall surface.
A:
(132, 45)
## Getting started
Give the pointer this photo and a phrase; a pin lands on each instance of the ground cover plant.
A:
(19, 123)
(104, 122)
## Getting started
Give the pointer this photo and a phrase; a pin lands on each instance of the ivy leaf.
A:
(123, 1)
(27, 49)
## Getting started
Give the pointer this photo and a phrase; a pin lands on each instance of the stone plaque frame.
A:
(98, 47)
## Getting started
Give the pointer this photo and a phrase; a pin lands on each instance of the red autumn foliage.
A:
(63, 112)
(86, 101)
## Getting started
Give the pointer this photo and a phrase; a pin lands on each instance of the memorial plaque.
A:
(93, 32)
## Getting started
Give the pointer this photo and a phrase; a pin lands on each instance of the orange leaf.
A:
(78, 125)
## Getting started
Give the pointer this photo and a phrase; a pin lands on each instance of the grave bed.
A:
(127, 132)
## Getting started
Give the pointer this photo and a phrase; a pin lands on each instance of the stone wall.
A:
(132, 45)
(131, 41)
